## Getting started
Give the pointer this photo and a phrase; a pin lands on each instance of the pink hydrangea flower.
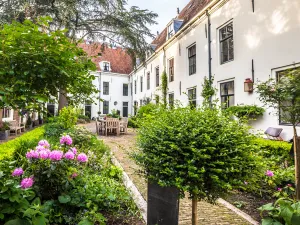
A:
(279, 189)
(56, 155)
(44, 154)
(32, 154)
(289, 185)
(17, 172)
(74, 175)
(269, 173)
(70, 155)
(82, 157)
(66, 140)
(39, 148)
(44, 143)
(74, 150)
(27, 183)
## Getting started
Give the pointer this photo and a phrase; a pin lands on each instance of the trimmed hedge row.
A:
(7, 149)
(273, 147)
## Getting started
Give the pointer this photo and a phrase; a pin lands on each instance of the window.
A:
(125, 109)
(135, 107)
(105, 88)
(171, 70)
(226, 43)
(192, 59)
(192, 94)
(6, 113)
(106, 66)
(171, 100)
(148, 80)
(88, 109)
(141, 84)
(125, 89)
(285, 107)
(157, 76)
(170, 30)
(227, 94)
(105, 107)
(135, 87)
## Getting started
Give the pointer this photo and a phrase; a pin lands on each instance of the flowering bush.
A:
(58, 182)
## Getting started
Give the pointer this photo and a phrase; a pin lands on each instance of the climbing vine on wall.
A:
(164, 87)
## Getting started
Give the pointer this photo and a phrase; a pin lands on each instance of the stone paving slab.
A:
(208, 214)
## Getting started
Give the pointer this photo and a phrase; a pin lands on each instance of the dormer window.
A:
(105, 66)
(171, 31)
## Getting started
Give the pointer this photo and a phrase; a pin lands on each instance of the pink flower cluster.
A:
(44, 143)
(269, 173)
(70, 155)
(27, 183)
(66, 140)
(17, 172)
(82, 157)
(56, 155)
(32, 154)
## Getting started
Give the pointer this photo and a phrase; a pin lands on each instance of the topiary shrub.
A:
(201, 151)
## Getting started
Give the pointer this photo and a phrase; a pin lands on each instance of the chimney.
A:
(178, 10)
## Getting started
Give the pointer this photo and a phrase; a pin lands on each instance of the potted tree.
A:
(4, 131)
(29, 123)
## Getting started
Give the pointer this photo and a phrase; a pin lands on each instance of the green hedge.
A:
(7, 149)
(273, 147)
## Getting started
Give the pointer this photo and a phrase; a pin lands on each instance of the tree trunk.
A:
(194, 211)
(297, 165)
(62, 102)
(1, 111)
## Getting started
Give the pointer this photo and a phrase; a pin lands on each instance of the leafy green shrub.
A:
(202, 151)
(146, 110)
(7, 149)
(272, 147)
(85, 118)
(68, 117)
(283, 211)
(246, 111)
(114, 114)
(132, 122)
(54, 130)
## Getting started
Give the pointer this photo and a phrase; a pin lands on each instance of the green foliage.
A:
(208, 91)
(246, 111)
(68, 117)
(7, 149)
(201, 151)
(284, 211)
(85, 118)
(267, 148)
(13, 200)
(63, 198)
(164, 87)
(36, 63)
(5, 126)
(114, 114)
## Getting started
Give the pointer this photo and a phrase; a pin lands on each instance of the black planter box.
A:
(4, 135)
(163, 205)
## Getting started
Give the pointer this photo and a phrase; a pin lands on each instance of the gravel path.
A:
(208, 214)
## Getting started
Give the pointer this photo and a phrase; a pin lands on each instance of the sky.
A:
(166, 10)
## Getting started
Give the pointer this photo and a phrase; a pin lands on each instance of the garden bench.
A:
(15, 127)
(274, 133)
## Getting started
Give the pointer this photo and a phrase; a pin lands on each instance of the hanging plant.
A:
(246, 111)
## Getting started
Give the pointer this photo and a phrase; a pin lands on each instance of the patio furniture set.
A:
(116, 126)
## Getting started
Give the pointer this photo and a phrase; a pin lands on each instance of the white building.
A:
(243, 38)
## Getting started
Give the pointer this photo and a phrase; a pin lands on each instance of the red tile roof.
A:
(120, 61)
(188, 12)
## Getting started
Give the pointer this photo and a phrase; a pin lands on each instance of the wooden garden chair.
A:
(124, 125)
(112, 124)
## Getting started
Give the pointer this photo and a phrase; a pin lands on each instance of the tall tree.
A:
(35, 64)
(283, 94)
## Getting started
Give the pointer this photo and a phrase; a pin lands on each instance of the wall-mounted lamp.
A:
(248, 85)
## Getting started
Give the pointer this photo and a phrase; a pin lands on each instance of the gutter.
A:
(209, 52)
(185, 27)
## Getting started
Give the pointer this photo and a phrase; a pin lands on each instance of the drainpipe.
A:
(209, 52)
(99, 78)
